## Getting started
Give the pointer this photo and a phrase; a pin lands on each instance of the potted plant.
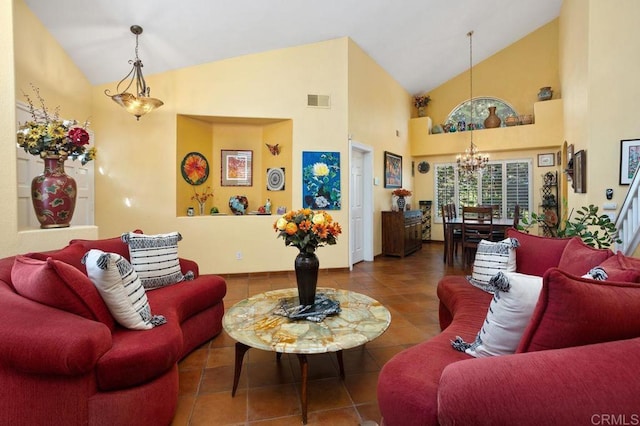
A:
(421, 102)
(594, 229)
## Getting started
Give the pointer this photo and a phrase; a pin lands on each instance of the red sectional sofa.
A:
(577, 363)
(58, 367)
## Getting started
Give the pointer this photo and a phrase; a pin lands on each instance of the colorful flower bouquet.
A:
(48, 135)
(307, 230)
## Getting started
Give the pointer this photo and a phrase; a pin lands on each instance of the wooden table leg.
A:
(304, 368)
(340, 363)
(241, 349)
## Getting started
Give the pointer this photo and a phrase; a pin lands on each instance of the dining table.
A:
(456, 223)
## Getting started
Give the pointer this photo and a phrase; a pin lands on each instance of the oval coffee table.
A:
(253, 324)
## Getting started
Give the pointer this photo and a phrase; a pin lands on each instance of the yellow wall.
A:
(378, 113)
(138, 158)
(514, 74)
(193, 136)
(600, 89)
(278, 133)
(39, 60)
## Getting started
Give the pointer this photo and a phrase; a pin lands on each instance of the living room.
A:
(590, 67)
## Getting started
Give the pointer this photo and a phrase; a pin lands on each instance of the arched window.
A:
(481, 105)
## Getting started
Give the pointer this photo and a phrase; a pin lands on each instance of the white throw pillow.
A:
(155, 258)
(491, 258)
(121, 289)
(509, 314)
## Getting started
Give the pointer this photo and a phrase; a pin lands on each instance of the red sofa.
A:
(577, 361)
(57, 367)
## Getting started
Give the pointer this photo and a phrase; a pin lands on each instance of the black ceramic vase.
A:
(306, 266)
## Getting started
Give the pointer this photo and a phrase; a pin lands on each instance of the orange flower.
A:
(291, 228)
(305, 225)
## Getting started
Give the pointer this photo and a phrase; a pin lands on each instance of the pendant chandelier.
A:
(472, 160)
(140, 103)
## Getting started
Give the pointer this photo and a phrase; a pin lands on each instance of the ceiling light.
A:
(471, 160)
(140, 103)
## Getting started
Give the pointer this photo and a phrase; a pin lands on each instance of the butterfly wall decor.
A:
(274, 149)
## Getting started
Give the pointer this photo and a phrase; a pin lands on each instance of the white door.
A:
(356, 195)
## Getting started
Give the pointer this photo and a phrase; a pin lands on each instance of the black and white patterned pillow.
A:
(121, 290)
(491, 258)
(509, 313)
(155, 258)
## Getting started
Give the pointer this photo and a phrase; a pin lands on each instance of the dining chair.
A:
(456, 231)
(497, 234)
(452, 235)
(477, 225)
(444, 211)
(516, 216)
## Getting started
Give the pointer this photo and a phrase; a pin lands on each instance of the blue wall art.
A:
(321, 180)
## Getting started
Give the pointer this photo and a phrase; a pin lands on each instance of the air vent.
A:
(319, 101)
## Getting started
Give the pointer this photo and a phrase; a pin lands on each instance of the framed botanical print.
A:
(392, 170)
(236, 169)
(321, 180)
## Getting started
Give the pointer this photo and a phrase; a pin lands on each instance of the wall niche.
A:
(210, 135)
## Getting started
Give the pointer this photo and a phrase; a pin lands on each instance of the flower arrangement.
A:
(202, 197)
(401, 192)
(421, 101)
(307, 230)
(48, 135)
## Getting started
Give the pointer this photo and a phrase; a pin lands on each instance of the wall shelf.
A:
(547, 132)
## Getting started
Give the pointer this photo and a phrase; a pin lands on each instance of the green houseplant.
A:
(594, 229)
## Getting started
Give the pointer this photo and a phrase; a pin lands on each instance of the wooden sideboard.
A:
(401, 232)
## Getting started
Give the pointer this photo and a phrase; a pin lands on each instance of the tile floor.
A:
(268, 392)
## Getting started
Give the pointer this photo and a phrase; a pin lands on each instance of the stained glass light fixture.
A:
(141, 102)
(472, 160)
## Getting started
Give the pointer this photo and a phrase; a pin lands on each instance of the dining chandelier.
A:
(140, 103)
(472, 160)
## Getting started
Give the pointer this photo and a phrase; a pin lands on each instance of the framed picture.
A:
(321, 180)
(236, 168)
(629, 159)
(546, 160)
(392, 170)
(580, 172)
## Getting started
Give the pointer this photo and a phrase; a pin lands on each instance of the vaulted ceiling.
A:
(421, 43)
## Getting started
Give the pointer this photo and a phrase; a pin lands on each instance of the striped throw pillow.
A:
(491, 258)
(155, 258)
(121, 290)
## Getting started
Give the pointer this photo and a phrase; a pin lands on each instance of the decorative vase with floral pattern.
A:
(402, 202)
(53, 194)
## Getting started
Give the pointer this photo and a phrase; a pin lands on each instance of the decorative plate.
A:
(424, 167)
(275, 179)
(194, 168)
